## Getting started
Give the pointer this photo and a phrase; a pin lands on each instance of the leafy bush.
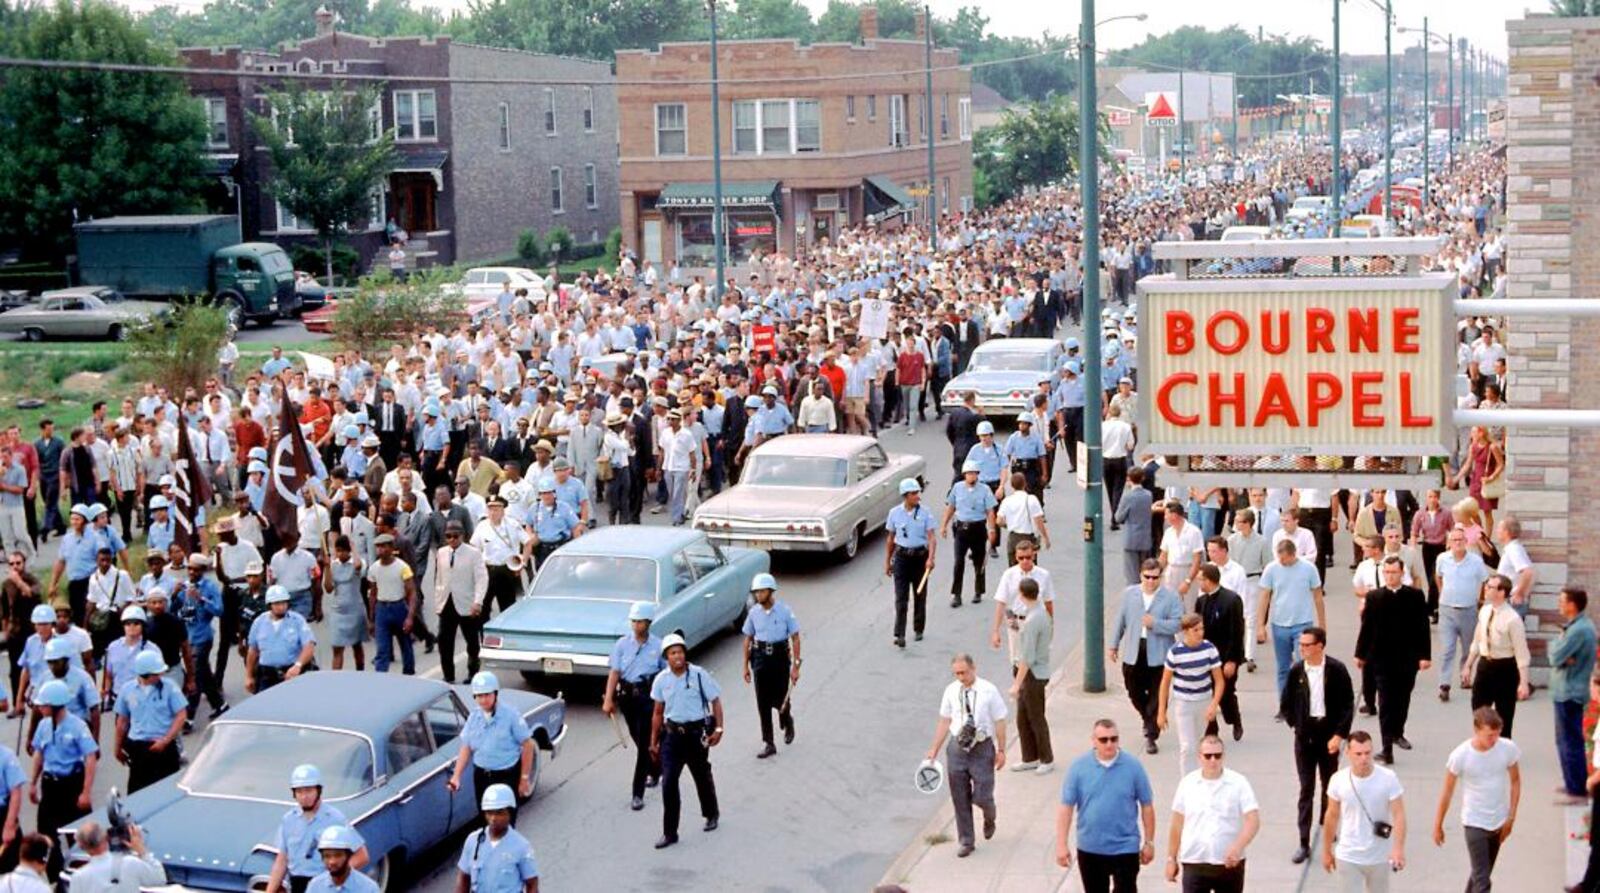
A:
(613, 246)
(383, 311)
(560, 241)
(310, 258)
(180, 352)
(530, 248)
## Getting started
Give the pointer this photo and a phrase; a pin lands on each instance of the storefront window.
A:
(748, 233)
(695, 244)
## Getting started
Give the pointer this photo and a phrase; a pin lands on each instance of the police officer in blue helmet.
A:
(496, 858)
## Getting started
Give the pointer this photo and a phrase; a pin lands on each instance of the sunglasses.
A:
(1150, 576)
(1211, 756)
(1108, 739)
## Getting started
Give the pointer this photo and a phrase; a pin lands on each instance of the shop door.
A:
(413, 198)
(652, 239)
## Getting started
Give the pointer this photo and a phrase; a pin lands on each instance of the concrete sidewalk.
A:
(1543, 853)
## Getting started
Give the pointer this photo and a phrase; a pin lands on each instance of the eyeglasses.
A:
(1150, 576)
(1108, 739)
(1211, 756)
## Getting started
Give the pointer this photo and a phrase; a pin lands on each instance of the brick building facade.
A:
(800, 160)
(1553, 211)
(479, 162)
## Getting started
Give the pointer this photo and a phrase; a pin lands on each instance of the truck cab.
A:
(255, 281)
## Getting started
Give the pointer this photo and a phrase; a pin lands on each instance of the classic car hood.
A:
(760, 503)
(204, 832)
(552, 615)
(982, 380)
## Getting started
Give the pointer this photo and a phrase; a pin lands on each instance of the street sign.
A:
(1161, 109)
(1119, 117)
(1497, 121)
(918, 191)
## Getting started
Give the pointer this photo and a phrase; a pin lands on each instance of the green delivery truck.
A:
(196, 255)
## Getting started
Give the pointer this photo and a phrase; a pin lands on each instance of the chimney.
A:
(922, 26)
(325, 21)
(869, 23)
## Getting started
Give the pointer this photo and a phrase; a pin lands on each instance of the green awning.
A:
(886, 197)
(735, 194)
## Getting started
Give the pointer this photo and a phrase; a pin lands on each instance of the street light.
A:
(716, 158)
(1427, 121)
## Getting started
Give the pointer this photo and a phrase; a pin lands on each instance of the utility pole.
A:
(717, 222)
(1388, 109)
(1427, 118)
(1183, 127)
(933, 188)
(1450, 103)
(1094, 606)
(1338, 156)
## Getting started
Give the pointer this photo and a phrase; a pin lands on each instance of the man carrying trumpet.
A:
(506, 548)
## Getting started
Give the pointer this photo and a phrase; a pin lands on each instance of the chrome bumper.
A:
(534, 661)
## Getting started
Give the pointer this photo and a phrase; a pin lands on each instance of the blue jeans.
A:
(1569, 745)
(678, 493)
(1286, 647)
(389, 620)
(300, 603)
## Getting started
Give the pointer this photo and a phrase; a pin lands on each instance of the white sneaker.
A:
(1023, 767)
(1046, 768)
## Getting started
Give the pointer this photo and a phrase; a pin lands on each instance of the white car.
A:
(1246, 233)
(1309, 206)
(487, 282)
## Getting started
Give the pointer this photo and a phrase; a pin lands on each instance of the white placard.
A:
(318, 367)
(874, 318)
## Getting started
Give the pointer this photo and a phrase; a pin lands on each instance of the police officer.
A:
(497, 742)
(1068, 401)
(972, 506)
(300, 831)
(988, 456)
(150, 715)
(61, 658)
(772, 650)
(11, 781)
(908, 558)
(282, 644)
(686, 724)
(496, 858)
(552, 521)
(635, 661)
(65, 756)
(570, 489)
(338, 846)
(1025, 451)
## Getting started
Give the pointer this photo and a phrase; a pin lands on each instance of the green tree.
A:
(1575, 8)
(267, 23)
(1031, 146)
(383, 310)
(754, 19)
(179, 353)
(85, 144)
(1271, 66)
(592, 29)
(327, 160)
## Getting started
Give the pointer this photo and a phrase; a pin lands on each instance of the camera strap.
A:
(1359, 801)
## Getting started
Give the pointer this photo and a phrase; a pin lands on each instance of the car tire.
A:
(852, 546)
(538, 770)
(234, 305)
(385, 874)
(33, 333)
(117, 333)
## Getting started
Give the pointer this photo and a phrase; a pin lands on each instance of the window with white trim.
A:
(777, 126)
(850, 108)
(216, 122)
(375, 120)
(672, 132)
(944, 116)
(505, 126)
(591, 192)
(898, 135)
(745, 138)
(549, 112)
(964, 116)
(588, 110)
(288, 223)
(416, 115)
(872, 106)
(776, 117)
(807, 125)
(556, 206)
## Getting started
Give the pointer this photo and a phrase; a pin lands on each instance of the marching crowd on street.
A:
(403, 500)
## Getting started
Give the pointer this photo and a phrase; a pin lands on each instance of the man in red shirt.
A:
(247, 435)
(911, 373)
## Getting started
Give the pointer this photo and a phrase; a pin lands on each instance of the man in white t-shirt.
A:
(1361, 797)
(1182, 551)
(1022, 515)
(976, 705)
(1515, 565)
(1214, 817)
(1486, 765)
(1009, 611)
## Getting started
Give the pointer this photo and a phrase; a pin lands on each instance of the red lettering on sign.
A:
(1363, 324)
(1409, 419)
(1406, 329)
(1275, 342)
(1275, 401)
(1217, 398)
(1323, 392)
(1319, 330)
(1361, 398)
(1164, 398)
(1241, 333)
(1180, 332)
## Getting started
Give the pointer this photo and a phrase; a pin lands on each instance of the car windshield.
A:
(1009, 361)
(597, 576)
(254, 760)
(794, 471)
(275, 262)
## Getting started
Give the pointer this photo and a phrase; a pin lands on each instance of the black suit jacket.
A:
(501, 449)
(1395, 628)
(1223, 613)
(961, 429)
(1338, 697)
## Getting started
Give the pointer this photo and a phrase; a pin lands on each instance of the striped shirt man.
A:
(1191, 667)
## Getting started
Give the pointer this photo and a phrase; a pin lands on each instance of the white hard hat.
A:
(673, 640)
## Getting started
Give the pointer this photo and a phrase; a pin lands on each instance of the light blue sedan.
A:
(577, 606)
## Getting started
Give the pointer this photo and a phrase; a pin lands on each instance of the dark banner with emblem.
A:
(289, 470)
(190, 489)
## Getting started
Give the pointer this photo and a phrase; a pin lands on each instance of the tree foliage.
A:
(267, 23)
(1291, 64)
(754, 19)
(85, 144)
(593, 29)
(383, 311)
(181, 352)
(1031, 146)
(326, 158)
(1575, 8)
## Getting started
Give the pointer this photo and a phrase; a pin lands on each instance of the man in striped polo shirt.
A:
(1192, 684)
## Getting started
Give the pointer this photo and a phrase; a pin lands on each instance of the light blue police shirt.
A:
(771, 625)
(912, 528)
(685, 698)
(971, 503)
(495, 740)
(503, 867)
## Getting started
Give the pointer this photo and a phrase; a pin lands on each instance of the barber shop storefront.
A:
(751, 211)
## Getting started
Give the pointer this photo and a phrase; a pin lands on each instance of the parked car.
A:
(1309, 206)
(385, 744)
(320, 321)
(84, 311)
(578, 603)
(487, 282)
(1246, 233)
(809, 493)
(1006, 373)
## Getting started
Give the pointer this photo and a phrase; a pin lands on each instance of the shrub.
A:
(530, 248)
(614, 247)
(346, 261)
(180, 352)
(560, 241)
(383, 311)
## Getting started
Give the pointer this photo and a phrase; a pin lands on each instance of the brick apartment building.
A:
(479, 162)
(799, 160)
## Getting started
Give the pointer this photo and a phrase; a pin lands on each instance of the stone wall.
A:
(1553, 183)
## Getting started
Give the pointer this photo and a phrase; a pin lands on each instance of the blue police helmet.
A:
(642, 611)
(485, 683)
(43, 614)
(498, 796)
(339, 837)
(985, 427)
(149, 663)
(53, 694)
(305, 775)
(763, 581)
(909, 485)
(58, 648)
(277, 593)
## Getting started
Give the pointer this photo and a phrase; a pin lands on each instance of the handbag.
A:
(1494, 489)
(603, 470)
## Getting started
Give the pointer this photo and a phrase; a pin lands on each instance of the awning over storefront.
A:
(221, 165)
(886, 198)
(423, 161)
(735, 194)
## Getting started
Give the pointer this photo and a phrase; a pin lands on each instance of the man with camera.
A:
(127, 866)
(1367, 817)
(977, 749)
